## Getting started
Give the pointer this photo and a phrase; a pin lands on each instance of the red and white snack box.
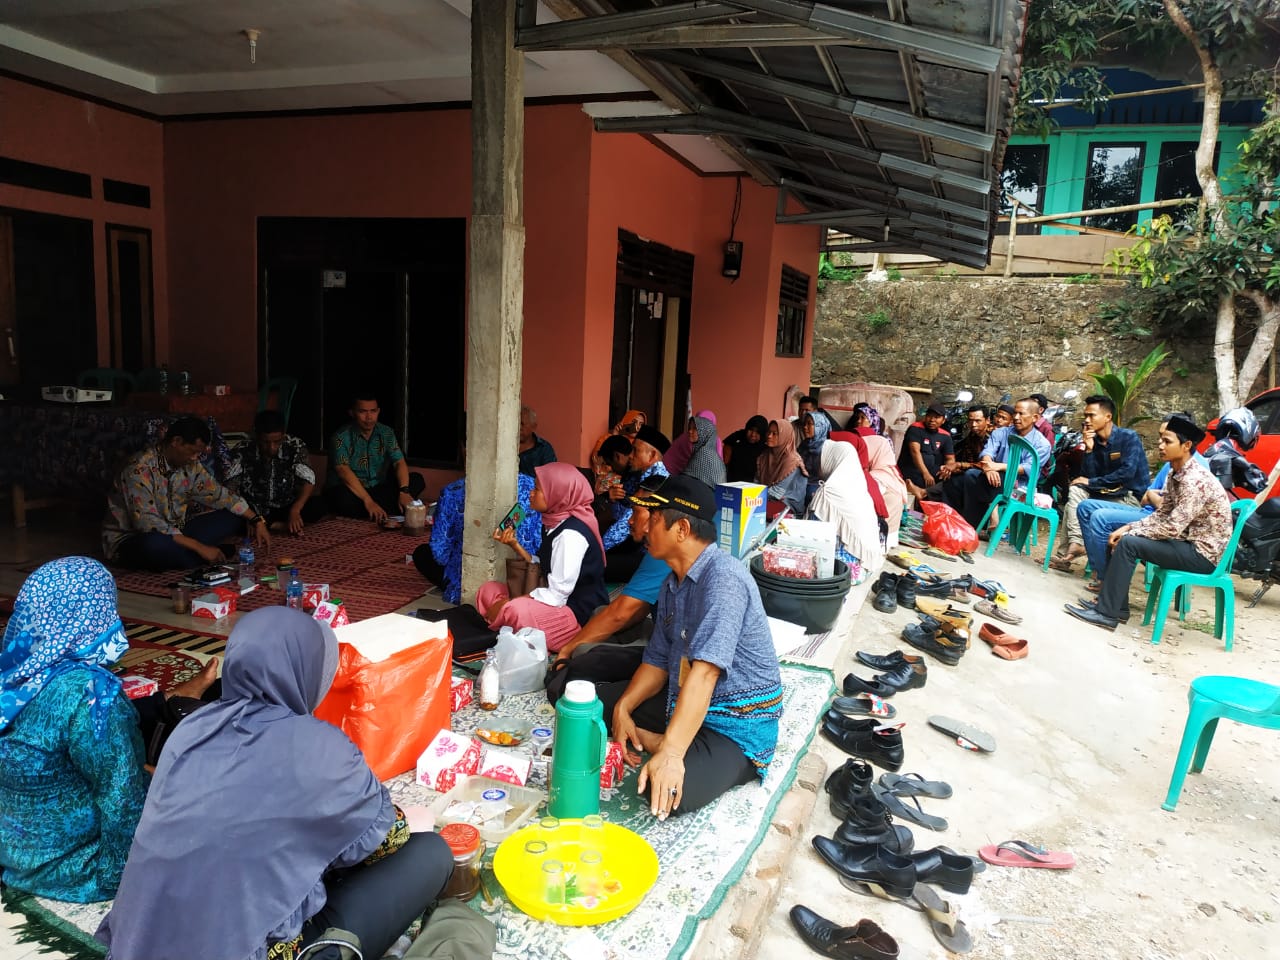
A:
(135, 687)
(332, 612)
(217, 603)
(460, 693)
(446, 758)
(505, 765)
(313, 594)
(614, 766)
(793, 562)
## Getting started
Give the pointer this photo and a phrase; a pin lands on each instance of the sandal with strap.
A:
(913, 814)
(1019, 853)
(915, 785)
(989, 608)
(945, 923)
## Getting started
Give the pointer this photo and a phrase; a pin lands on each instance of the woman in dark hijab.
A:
(742, 449)
(704, 460)
(264, 826)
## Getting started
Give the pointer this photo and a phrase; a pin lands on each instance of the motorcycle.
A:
(958, 414)
(1258, 553)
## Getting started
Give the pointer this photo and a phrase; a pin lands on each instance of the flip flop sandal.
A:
(904, 560)
(914, 785)
(966, 556)
(1011, 651)
(966, 734)
(864, 705)
(1093, 586)
(1061, 564)
(1019, 853)
(913, 814)
(925, 573)
(990, 609)
(939, 554)
(943, 920)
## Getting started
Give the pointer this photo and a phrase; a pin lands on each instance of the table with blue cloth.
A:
(73, 451)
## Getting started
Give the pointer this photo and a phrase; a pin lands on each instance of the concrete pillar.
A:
(496, 292)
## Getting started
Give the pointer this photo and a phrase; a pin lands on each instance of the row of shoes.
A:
(892, 590)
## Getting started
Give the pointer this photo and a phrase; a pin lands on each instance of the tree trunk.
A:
(1264, 342)
(1224, 354)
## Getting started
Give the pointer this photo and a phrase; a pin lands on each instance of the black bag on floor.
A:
(471, 634)
(606, 663)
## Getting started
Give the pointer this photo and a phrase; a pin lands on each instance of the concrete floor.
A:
(1087, 728)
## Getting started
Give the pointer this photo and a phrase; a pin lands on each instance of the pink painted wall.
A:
(42, 126)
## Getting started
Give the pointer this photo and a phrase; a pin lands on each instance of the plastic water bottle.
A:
(293, 593)
(248, 564)
(164, 379)
(581, 740)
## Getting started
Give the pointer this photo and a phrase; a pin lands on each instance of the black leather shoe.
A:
(922, 638)
(864, 811)
(894, 837)
(906, 676)
(886, 593)
(907, 592)
(855, 684)
(942, 588)
(1091, 603)
(947, 870)
(1089, 615)
(853, 777)
(872, 865)
(888, 661)
(958, 637)
(883, 747)
(863, 941)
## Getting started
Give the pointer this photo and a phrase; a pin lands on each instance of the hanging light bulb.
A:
(253, 43)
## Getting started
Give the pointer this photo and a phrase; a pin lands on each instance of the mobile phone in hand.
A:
(513, 518)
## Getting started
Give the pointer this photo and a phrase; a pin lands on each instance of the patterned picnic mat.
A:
(701, 855)
(364, 566)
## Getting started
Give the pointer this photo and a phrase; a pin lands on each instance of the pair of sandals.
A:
(895, 788)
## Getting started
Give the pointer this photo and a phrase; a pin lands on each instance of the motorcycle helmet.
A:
(1240, 423)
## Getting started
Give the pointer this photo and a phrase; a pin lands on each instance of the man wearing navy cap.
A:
(1188, 532)
(705, 702)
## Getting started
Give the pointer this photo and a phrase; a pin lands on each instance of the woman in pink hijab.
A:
(571, 559)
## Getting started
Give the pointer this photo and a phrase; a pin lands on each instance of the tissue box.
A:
(816, 535)
(790, 562)
(332, 612)
(135, 687)
(615, 766)
(505, 766)
(742, 520)
(446, 758)
(460, 693)
(313, 594)
(217, 603)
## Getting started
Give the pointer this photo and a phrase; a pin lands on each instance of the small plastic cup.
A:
(553, 883)
(590, 872)
(591, 835)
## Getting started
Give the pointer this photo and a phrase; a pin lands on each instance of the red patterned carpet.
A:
(364, 567)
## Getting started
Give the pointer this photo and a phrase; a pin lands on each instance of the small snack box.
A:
(790, 562)
(460, 693)
(332, 612)
(313, 594)
(446, 758)
(816, 535)
(135, 687)
(505, 765)
(217, 603)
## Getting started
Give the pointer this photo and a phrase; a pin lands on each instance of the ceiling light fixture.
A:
(253, 43)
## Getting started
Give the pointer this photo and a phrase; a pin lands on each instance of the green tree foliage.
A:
(1123, 386)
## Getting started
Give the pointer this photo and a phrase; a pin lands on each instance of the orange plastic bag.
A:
(393, 708)
(945, 529)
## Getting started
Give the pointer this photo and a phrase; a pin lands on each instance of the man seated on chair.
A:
(1115, 470)
(969, 449)
(926, 451)
(274, 474)
(705, 702)
(147, 525)
(626, 618)
(1003, 416)
(1188, 532)
(534, 450)
(368, 475)
(971, 492)
(1042, 423)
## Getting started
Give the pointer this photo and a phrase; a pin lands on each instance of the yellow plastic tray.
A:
(629, 863)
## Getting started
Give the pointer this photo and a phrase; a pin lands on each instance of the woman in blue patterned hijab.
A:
(72, 783)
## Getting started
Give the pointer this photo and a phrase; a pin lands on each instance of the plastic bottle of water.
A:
(293, 593)
(248, 564)
(164, 378)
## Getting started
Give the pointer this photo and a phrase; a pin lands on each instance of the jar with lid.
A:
(467, 849)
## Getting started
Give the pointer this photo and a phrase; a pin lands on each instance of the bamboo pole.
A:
(1102, 211)
(1013, 233)
(1059, 104)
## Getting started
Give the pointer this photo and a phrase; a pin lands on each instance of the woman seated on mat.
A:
(842, 499)
(676, 459)
(781, 470)
(814, 429)
(72, 780)
(866, 420)
(703, 462)
(208, 877)
(883, 465)
(571, 559)
(742, 449)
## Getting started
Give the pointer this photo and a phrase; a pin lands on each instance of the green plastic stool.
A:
(1014, 512)
(1212, 699)
(1166, 583)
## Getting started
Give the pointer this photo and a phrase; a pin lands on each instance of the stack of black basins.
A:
(814, 604)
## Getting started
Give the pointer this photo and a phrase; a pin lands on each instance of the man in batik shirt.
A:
(274, 474)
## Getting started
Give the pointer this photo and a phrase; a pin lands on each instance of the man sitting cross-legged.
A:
(1115, 470)
(706, 700)
(273, 472)
(1188, 532)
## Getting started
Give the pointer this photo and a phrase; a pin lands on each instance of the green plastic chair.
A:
(1026, 514)
(1165, 583)
(1211, 699)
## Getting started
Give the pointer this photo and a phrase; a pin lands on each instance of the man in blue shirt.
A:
(368, 474)
(706, 700)
(1115, 470)
(971, 492)
(626, 618)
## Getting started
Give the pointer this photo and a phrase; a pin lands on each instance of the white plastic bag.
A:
(522, 659)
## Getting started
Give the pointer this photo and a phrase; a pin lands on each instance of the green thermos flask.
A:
(578, 753)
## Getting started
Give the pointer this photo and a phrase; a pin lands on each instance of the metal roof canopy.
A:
(886, 122)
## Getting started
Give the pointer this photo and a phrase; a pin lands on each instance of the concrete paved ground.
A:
(1087, 729)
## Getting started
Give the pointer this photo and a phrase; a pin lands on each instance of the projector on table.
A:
(74, 395)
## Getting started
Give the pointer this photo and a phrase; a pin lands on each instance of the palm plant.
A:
(1124, 385)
